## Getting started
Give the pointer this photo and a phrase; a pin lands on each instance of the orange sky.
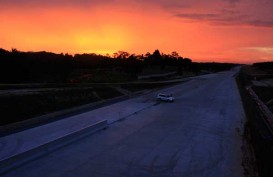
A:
(219, 30)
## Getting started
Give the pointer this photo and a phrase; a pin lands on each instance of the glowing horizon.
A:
(219, 30)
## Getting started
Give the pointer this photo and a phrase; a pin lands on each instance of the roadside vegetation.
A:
(19, 106)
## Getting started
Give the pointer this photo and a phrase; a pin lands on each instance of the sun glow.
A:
(107, 40)
(134, 27)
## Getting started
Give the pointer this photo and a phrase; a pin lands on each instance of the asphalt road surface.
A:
(196, 136)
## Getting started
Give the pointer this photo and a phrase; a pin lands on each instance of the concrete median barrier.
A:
(17, 160)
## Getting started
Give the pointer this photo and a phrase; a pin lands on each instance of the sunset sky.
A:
(214, 30)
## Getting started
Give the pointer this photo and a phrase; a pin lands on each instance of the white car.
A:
(165, 97)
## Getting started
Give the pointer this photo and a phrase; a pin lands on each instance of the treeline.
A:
(215, 67)
(47, 67)
(264, 65)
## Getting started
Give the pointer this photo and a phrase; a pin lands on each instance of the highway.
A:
(199, 135)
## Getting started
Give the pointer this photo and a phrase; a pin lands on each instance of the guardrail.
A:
(266, 114)
(17, 160)
(258, 129)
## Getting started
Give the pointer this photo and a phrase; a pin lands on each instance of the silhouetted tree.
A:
(175, 55)
(121, 55)
(156, 56)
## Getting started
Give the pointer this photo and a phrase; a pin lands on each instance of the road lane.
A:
(195, 136)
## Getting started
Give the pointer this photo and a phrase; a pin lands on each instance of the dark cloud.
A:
(46, 3)
(232, 1)
(84, 3)
(236, 12)
(220, 12)
(195, 16)
(168, 4)
(227, 18)
(262, 23)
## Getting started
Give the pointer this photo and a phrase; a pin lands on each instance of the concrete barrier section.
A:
(25, 157)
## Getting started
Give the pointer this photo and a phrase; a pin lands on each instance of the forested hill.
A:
(46, 67)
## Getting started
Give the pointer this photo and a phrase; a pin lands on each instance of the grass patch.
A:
(139, 87)
(100, 76)
(158, 70)
(22, 107)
